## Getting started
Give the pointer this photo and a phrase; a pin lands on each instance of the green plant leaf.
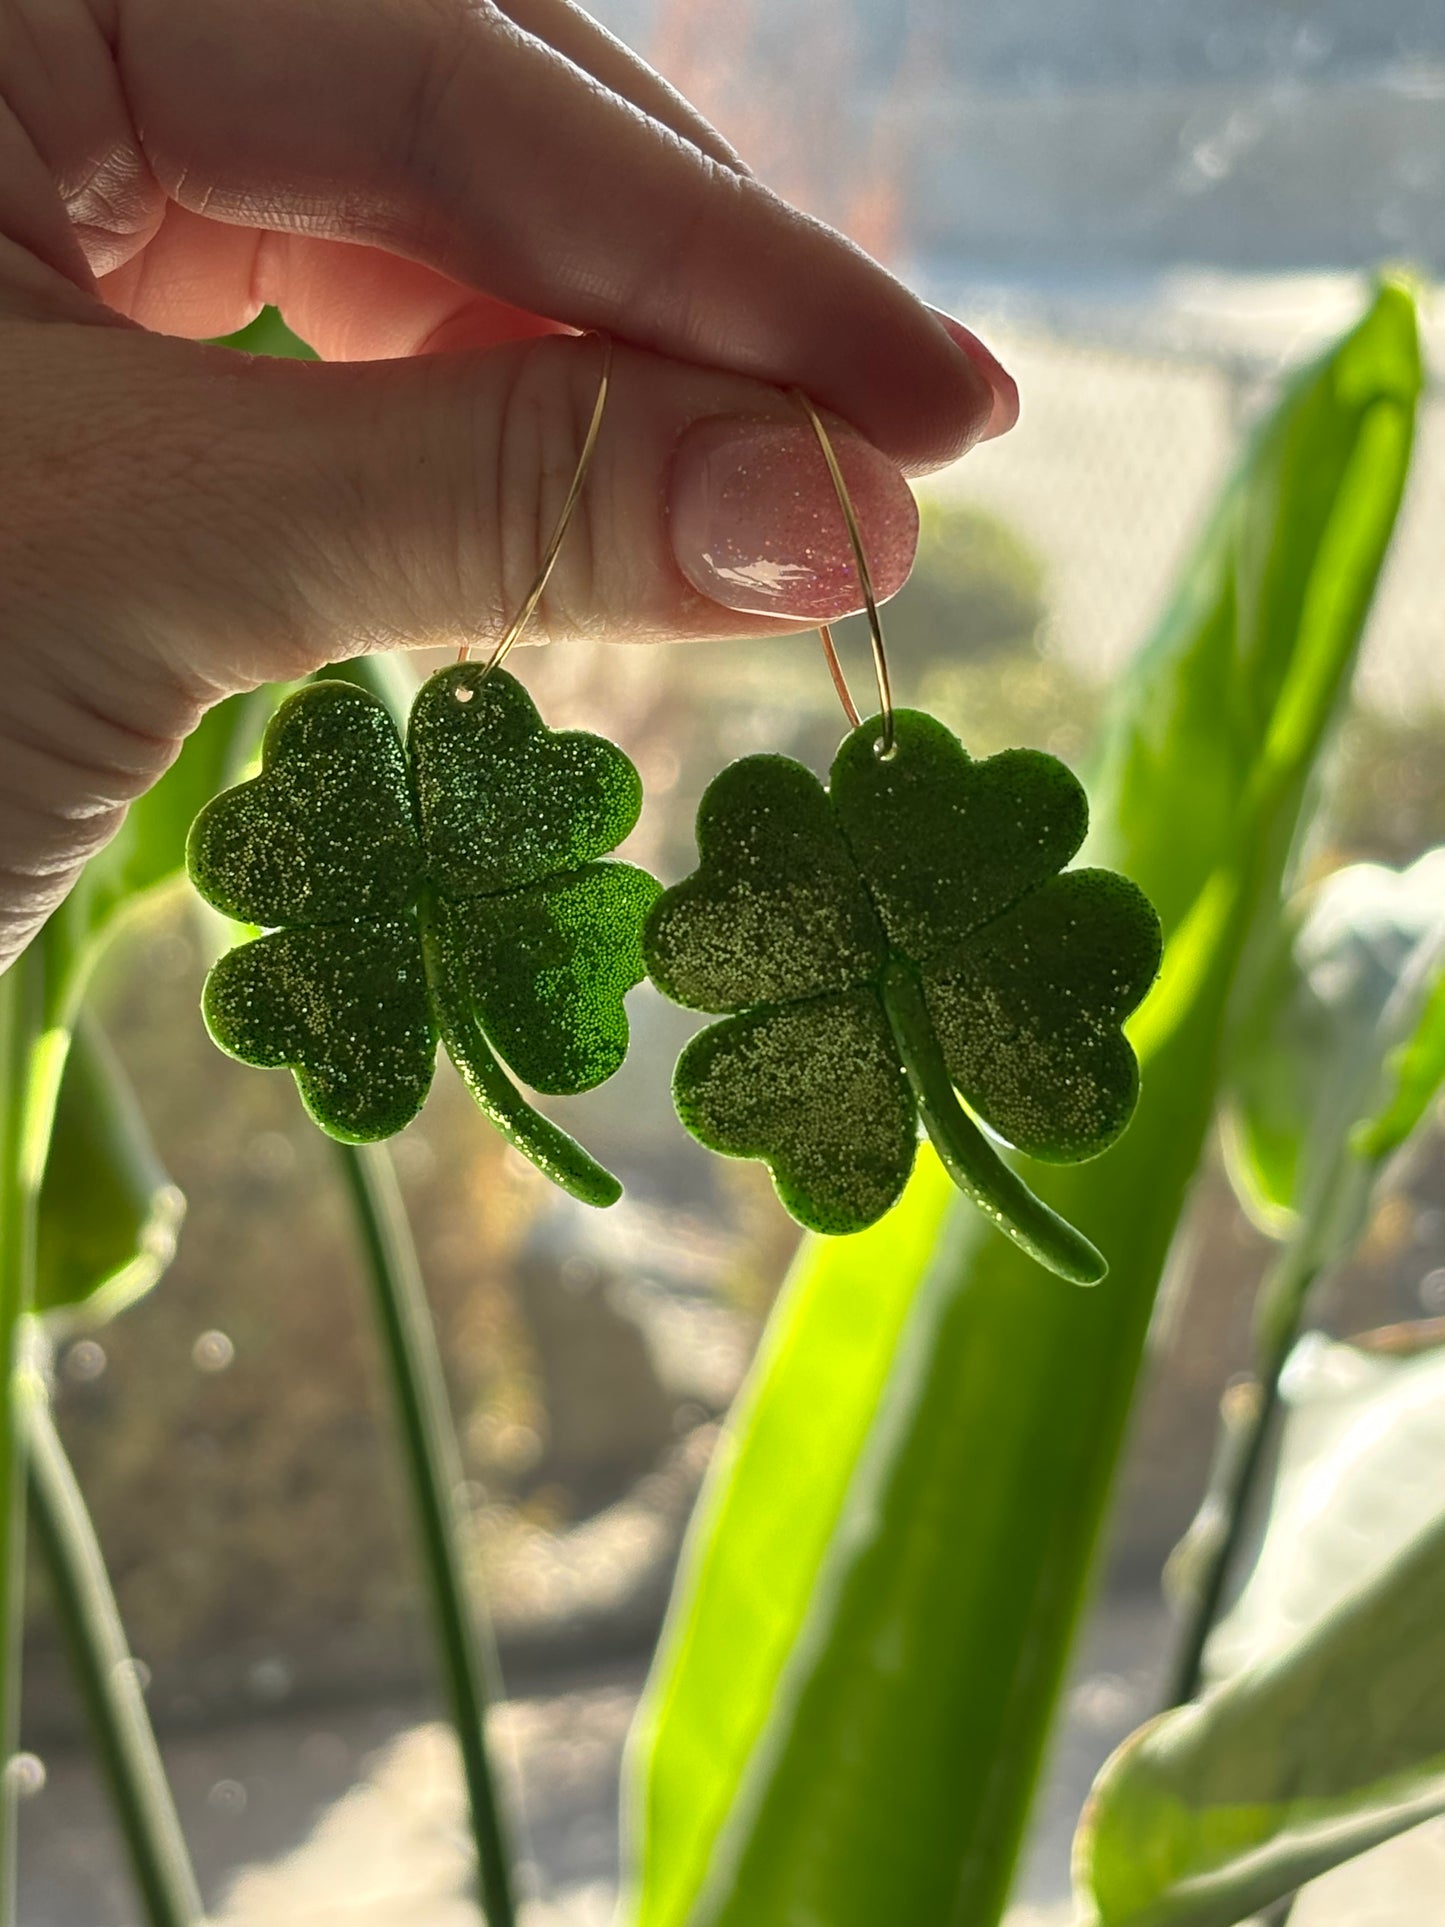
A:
(109, 1213)
(1358, 1478)
(1325, 1730)
(1414, 1073)
(1351, 980)
(846, 1716)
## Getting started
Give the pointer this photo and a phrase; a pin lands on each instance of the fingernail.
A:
(756, 525)
(1005, 411)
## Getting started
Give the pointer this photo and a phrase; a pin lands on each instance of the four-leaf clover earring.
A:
(880, 946)
(450, 886)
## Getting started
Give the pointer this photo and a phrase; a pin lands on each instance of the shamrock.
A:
(449, 888)
(889, 942)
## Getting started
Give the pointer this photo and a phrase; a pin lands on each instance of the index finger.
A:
(446, 133)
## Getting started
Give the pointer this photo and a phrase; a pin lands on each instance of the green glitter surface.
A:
(450, 889)
(1025, 975)
(815, 1087)
(326, 833)
(776, 909)
(502, 800)
(345, 1007)
(546, 970)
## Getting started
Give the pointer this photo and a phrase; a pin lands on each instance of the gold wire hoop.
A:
(870, 601)
(574, 494)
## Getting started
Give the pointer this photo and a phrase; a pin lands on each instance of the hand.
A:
(411, 182)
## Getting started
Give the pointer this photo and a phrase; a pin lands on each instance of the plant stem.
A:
(1335, 1211)
(32, 1053)
(1227, 1502)
(103, 1669)
(408, 1342)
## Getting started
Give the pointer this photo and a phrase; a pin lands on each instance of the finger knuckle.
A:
(541, 429)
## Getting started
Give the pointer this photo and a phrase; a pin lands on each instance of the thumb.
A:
(315, 511)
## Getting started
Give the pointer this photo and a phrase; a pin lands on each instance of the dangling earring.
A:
(449, 887)
(877, 947)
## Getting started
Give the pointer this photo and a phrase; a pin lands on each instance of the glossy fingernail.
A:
(756, 525)
(1005, 410)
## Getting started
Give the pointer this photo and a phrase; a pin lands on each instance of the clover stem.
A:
(104, 1674)
(545, 1144)
(968, 1157)
(413, 1364)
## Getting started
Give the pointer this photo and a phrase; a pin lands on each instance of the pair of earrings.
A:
(872, 948)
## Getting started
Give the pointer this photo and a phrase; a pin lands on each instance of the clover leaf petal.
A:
(946, 843)
(345, 1007)
(1028, 1013)
(325, 833)
(546, 968)
(776, 908)
(815, 1089)
(502, 800)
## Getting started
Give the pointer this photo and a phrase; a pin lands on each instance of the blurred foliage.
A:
(91, 1263)
(1325, 1731)
(1347, 981)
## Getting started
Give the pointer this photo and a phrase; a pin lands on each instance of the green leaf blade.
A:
(91, 1262)
(1327, 1733)
(1416, 1071)
(773, 1500)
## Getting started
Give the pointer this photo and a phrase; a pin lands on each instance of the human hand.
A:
(410, 181)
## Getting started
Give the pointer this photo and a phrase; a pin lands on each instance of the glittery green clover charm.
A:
(886, 943)
(449, 888)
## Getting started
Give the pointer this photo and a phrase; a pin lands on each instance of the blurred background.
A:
(1149, 208)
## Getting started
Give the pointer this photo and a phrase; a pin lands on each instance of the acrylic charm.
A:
(450, 889)
(881, 946)
(453, 887)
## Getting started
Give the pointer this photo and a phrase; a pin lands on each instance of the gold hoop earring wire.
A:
(870, 601)
(574, 494)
